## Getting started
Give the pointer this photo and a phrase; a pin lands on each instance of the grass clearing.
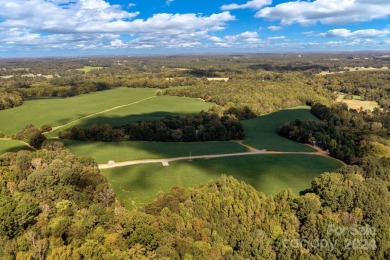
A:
(137, 150)
(12, 146)
(262, 132)
(139, 184)
(87, 69)
(357, 102)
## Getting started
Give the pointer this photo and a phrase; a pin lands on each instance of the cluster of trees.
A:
(31, 135)
(202, 127)
(57, 206)
(345, 133)
(10, 99)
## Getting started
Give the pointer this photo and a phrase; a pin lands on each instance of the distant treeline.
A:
(345, 133)
(202, 127)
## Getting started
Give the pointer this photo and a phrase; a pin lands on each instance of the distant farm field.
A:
(104, 107)
(139, 184)
(262, 132)
(126, 151)
(87, 69)
(357, 102)
(12, 146)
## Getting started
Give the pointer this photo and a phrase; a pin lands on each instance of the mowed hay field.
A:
(139, 184)
(61, 111)
(12, 146)
(125, 151)
(262, 132)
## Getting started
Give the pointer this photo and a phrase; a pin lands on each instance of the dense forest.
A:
(199, 128)
(57, 206)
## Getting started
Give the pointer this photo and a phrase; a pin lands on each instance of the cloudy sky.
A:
(83, 27)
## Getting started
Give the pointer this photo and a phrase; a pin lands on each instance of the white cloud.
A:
(117, 43)
(326, 11)
(275, 28)
(215, 39)
(253, 4)
(345, 33)
(245, 39)
(91, 24)
(276, 38)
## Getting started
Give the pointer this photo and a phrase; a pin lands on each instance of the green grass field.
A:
(59, 111)
(12, 146)
(262, 132)
(126, 151)
(139, 184)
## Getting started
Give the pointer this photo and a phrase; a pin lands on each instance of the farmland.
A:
(261, 132)
(104, 106)
(135, 150)
(268, 173)
(87, 69)
(139, 184)
(356, 102)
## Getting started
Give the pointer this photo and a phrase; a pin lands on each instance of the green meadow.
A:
(139, 184)
(127, 151)
(111, 106)
(262, 132)
(12, 146)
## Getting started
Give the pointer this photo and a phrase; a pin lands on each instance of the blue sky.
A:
(101, 27)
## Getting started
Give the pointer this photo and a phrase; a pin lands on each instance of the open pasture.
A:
(87, 69)
(262, 132)
(137, 150)
(357, 103)
(102, 105)
(12, 146)
(139, 184)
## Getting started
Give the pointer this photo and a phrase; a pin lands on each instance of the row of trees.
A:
(202, 127)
